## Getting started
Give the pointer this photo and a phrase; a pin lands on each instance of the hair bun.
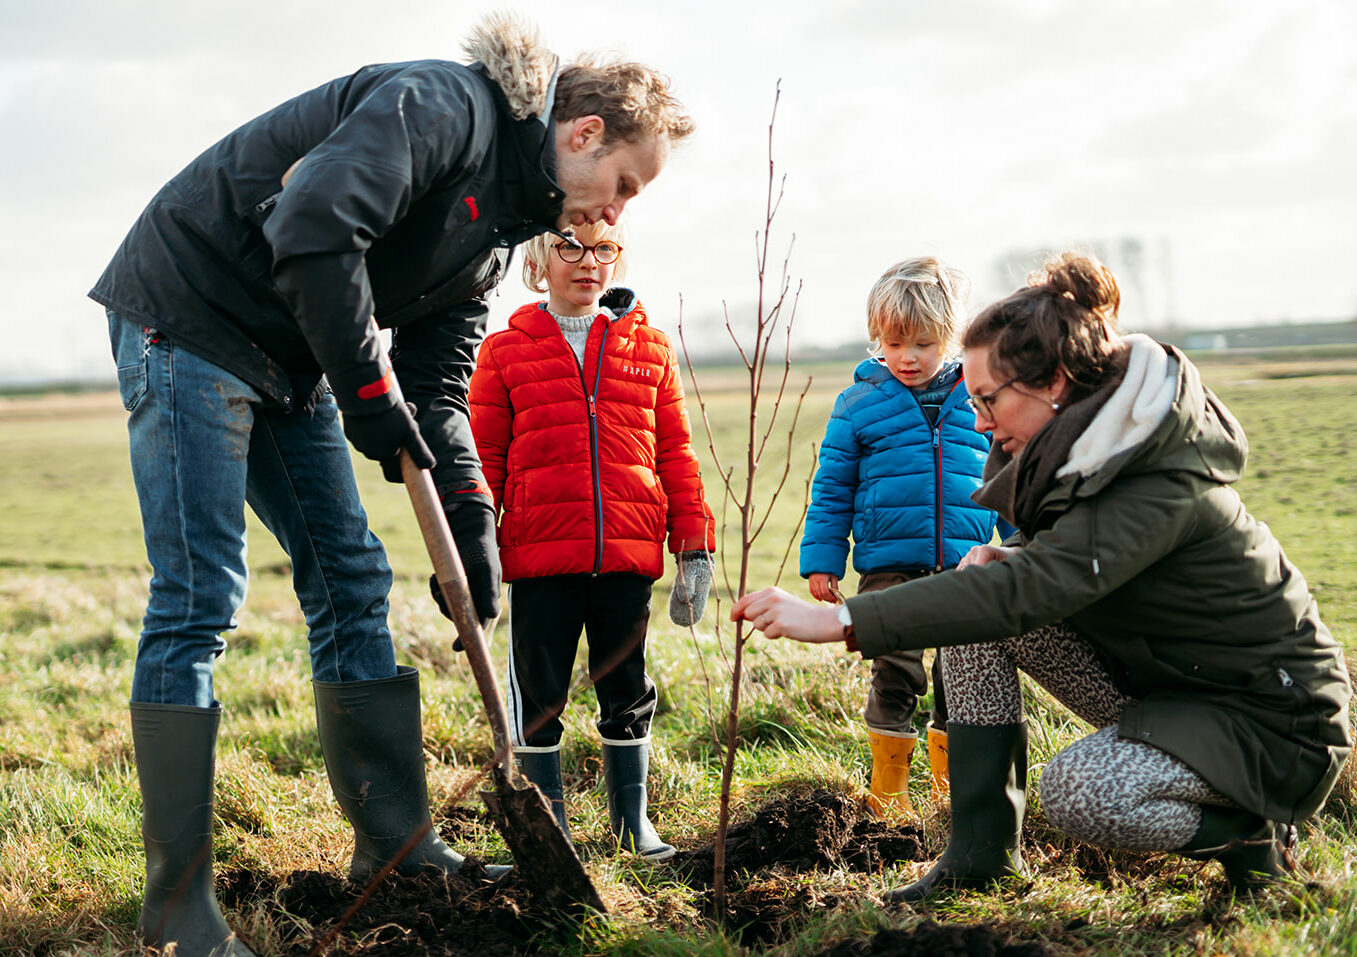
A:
(1086, 281)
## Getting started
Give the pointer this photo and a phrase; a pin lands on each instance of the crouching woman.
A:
(1139, 592)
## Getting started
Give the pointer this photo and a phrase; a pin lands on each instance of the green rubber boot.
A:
(373, 744)
(988, 771)
(175, 749)
(1254, 852)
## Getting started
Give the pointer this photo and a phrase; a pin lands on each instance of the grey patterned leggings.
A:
(1103, 789)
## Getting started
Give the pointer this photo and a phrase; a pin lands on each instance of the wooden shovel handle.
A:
(447, 566)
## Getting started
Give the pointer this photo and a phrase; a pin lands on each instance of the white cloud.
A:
(1218, 133)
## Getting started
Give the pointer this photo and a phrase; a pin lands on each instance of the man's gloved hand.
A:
(689, 598)
(473, 529)
(381, 436)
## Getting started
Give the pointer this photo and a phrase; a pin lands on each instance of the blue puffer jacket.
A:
(902, 487)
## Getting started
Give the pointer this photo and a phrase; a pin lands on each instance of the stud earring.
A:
(1055, 406)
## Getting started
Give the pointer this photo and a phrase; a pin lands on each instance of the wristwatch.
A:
(850, 637)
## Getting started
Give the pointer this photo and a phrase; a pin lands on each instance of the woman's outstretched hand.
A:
(984, 554)
(780, 615)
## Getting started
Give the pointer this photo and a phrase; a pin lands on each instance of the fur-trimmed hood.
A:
(510, 49)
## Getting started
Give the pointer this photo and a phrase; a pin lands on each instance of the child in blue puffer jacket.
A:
(898, 464)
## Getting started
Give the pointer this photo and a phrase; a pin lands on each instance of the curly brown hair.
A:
(633, 100)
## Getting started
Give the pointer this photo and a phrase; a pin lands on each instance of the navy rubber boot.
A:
(543, 768)
(625, 767)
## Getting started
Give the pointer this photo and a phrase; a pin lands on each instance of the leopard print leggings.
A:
(1103, 789)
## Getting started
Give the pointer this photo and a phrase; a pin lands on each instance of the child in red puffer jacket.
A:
(579, 418)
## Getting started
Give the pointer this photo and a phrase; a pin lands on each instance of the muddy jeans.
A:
(1103, 789)
(899, 678)
(203, 444)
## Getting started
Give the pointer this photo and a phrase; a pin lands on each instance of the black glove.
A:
(473, 529)
(381, 436)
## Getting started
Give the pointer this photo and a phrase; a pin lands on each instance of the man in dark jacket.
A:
(391, 199)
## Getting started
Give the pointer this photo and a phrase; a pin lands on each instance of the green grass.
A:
(72, 590)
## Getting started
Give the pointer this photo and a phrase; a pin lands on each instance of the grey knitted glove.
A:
(689, 597)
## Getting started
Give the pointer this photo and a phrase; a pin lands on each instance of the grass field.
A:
(72, 590)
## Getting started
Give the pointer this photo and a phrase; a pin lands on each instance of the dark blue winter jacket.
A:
(901, 486)
(414, 183)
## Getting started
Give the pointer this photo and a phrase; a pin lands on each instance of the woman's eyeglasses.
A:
(984, 404)
(605, 253)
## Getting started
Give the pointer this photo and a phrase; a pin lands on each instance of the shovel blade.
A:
(546, 859)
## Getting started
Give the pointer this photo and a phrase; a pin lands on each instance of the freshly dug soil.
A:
(820, 830)
(935, 940)
(464, 916)
(813, 832)
(458, 916)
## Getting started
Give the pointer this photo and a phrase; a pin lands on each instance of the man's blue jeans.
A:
(203, 445)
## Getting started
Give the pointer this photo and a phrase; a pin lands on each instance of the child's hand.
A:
(825, 587)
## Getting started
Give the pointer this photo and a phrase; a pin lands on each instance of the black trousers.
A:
(546, 616)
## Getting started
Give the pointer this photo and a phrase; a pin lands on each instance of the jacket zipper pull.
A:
(592, 415)
(937, 460)
(265, 205)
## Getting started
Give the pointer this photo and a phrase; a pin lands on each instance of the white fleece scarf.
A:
(1134, 410)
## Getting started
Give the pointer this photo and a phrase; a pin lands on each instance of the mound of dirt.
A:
(936, 940)
(816, 831)
(434, 916)
(875, 844)
(465, 916)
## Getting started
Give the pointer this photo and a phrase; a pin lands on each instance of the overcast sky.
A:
(1207, 145)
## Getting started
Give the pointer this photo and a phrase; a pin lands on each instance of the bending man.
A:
(244, 316)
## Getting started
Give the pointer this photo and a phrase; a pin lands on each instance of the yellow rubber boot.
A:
(890, 774)
(937, 762)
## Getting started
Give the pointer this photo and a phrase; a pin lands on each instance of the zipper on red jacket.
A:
(593, 452)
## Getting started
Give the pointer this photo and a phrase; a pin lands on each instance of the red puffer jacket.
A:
(590, 467)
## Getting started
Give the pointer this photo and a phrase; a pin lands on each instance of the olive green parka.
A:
(1190, 601)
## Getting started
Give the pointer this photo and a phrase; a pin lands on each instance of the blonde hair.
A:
(633, 100)
(917, 296)
(540, 247)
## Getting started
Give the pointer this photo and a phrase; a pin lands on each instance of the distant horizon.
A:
(1204, 150)
(726, 355)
